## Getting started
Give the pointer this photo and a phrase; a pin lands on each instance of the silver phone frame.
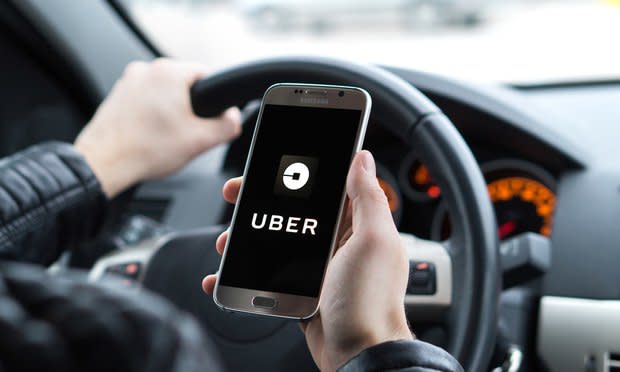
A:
(288, 305)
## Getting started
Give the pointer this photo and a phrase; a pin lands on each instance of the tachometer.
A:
(523, 199)
(522, 204)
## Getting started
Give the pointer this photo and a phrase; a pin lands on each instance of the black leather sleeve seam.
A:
(13, 199)
(404, 355)
(89, 184)
(32, 185)
(14, 228)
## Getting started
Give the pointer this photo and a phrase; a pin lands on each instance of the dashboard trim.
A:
(429, 251)
(573, 331)
(502, 103)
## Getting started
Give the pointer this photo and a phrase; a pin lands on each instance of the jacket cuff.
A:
(92, 204)
(50, 200)
(403, 355)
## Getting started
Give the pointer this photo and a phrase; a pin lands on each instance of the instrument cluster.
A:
(522, 193)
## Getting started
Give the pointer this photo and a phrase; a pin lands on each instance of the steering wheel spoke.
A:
(129, 264)
(429, 291)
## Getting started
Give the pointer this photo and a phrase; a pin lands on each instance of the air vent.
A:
(154, 208)
(612, 362)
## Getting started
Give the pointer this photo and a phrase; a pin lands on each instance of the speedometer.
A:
(523, 199)
(522, 204)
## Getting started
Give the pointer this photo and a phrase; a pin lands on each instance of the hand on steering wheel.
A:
(361, 302)
(140, 133)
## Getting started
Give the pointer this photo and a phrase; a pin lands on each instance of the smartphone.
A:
(286, 219)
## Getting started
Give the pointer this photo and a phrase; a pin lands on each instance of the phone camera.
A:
(341, 94)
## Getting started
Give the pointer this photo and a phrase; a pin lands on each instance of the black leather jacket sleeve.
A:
(50, 200)
(403, 356)
(63, 323)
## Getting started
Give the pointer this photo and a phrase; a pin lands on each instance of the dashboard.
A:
(522, 192)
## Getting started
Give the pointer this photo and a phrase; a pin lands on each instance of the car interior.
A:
(512, 198)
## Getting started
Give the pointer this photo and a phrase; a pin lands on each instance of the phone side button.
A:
(265, 302)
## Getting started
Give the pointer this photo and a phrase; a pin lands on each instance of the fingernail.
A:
(368, 162)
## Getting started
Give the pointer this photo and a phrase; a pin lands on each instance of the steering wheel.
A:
(467, 270)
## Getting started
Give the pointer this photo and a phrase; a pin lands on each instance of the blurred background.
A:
(512, 41)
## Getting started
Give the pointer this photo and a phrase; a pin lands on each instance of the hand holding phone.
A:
(284, 227)
(362, 299)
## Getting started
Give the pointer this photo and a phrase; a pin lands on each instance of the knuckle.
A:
(160, 66)
(371, 237)
(134, 68)
(378, 196)
(160, 63)
(230, 128)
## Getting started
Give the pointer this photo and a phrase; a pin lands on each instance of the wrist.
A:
(370, 339)
(108, 168)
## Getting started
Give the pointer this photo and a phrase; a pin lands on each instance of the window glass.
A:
(518, 41)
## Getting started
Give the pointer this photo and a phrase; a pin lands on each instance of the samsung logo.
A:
(314, 101)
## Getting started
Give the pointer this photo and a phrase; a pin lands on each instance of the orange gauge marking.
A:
(392, 195)
(527, 190)
(422, 180)
(421, 175)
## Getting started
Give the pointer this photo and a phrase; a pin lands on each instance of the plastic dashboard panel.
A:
(576, 332)
(515, 123)
(586, 237)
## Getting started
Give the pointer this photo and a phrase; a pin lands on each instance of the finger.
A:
(135, 67)
(214, 131)
(370, 209)
(195, 71)
(220, 243)
(208, 283)
(345, 231)
(231, 189)
(191, 71)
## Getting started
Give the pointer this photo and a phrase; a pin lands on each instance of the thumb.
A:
(214, 131)
(368, 201)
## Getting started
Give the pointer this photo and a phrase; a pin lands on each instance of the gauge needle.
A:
(507, 228)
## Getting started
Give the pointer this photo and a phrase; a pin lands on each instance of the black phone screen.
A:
(288, 211)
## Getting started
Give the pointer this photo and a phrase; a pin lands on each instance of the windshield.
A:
(514, 41)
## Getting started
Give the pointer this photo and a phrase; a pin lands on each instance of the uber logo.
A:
(295, 176)
(295, 225)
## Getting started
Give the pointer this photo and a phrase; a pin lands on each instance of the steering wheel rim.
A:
(412, 117)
